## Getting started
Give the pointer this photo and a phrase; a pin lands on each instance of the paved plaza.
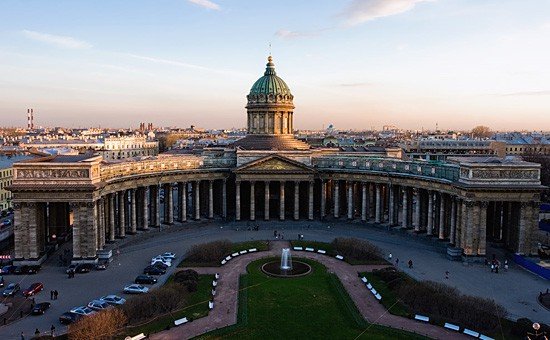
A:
(515, 289)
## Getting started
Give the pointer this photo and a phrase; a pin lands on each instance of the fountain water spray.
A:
(286, 259)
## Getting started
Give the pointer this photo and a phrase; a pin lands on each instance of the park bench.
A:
(298, 248)
(310, 249)
(214, 283)
(224, 261)
(373, 291)
(364, 279)
(213, 292)
(228, 258)
(136, 337)
(378, 296)
(243, 252)
(421, 318)
(470, 332)
(235, 254)
(180, 321)
(340, 257)
(369, 286)
(320, 251)
(210, 304)
(451, 326)
(252, 250)
(217, 276)
(485, 337)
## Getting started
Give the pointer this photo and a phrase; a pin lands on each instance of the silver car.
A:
(98, 305)
(135, 289)
(113, 300)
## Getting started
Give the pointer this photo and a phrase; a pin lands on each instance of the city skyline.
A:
(354, 64)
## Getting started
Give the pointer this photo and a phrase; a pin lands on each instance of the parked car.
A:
(98, 305)
(169, 255)
(84, 268)
(71, 268)
(145, 279)
(154, 270)
(33, 289)
(160, 265)
(68, 317)
(113, 300)
(1, 281)
(8, 269)
(11, 289)
(82, 310)
(102, 265)
(25, 270)
(160, 261)
(40, 308)
(135, 289)
(162, 258)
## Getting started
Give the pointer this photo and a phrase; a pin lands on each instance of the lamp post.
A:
(537, 333)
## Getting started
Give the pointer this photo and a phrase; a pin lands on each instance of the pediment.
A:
(274, 163)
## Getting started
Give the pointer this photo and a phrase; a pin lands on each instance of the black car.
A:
(145, 279)
(102, 265)
(68, 317)
(154, 270)
(40, 308)
(11, 289)
(160, 265)
(84, 268)
(24, 270)
(8, 269)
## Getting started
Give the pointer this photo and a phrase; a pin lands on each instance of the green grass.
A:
(235, 247)
(197, 307)
(315, 306)
(389, 299)
(331, 252)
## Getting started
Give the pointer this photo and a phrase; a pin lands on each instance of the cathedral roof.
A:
(270, 83)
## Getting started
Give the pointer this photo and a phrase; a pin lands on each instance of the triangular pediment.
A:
(274, 163)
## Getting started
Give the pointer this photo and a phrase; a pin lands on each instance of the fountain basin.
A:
(273, 268)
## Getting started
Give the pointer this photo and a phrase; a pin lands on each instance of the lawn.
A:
(197, 307)
(235, 247)
(315, 306)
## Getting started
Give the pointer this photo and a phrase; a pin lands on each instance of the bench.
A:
(210, 304)
(421, 318)
(470, 332)
(373, 291)
(136, 337)
(340, 257)
(213, 292)
(243, 252)
(252, 250)
(485, 337)
(228, 258)
(369, 286)
(451, 326)
(320, 251)
(180, 321)
(217, 276)
(235, 254)
(298, 248)
(378, 296)
(364, 279)
(224, 261)
(214, 283)
(310, 249)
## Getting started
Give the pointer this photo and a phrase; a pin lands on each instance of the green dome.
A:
(270, 83)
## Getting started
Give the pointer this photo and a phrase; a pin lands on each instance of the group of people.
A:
(54, 294)
(278, 236)
(390, 259)
(495, 264)
(37, 333)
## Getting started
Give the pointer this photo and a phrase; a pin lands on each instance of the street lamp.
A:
(537, 335)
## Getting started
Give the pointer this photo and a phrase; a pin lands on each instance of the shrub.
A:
(160, 301)
(356, 249)
(208, 252)
(186, 275)
(391, 277)
(102, 325)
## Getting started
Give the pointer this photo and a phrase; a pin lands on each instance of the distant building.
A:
(6, 177)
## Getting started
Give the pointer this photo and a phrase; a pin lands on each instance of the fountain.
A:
(286, 259)
(286, 267)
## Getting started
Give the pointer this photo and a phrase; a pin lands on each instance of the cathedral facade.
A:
(270, 175)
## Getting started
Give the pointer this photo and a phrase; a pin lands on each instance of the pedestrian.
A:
(275, 233)
(390, 256)
(21, 314)
(496, 269)
(505, 265)
(22, 336)
(410, 264)
(55, 294)
(447, 274)
(52, 329)
(397, 262)
(492, 268)
(37, 333)
(51, 294)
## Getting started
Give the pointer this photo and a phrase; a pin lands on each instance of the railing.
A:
(448, 172)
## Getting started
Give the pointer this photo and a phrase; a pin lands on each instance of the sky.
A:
(356, 64)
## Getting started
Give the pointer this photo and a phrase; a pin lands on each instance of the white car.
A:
(166, 263)
(169, 255)
(135, 289)
(161, 258)
(98, 305)
(82, 310)
(114, 300)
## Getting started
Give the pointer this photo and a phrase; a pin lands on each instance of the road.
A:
(516, 289)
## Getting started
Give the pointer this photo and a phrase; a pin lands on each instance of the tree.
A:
(103, 325)
(481, 131)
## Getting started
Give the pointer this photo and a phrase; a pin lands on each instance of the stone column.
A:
(252, 202)
(145, 208)
(156, 193)
(391, 204)
(238, 200)
(417, 211)
(442, 217)
(266, 200)
(323, 198)
(430, 228)
(133, 212)
(224, 199)
(84, 230)
(453, 221)
(350, 199)
(112, 218)
(405, 213)
(122, 213)
(34, 251)
(296, 200)
(182, 201)
(168, 204)
(310, 203)
(378, 216)
(197, 200)
(210, 199)
(363, 202)
(482, 231)
(101, 222)
(282, 201)
(336, 198)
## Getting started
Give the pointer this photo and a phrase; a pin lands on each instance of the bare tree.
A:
(481, 131)
(102, 325)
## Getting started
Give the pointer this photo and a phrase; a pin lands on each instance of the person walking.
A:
(52, 329)
(447, 275)
(22, 336)
(505, 265)
(410, 264)
(390, 256)
(397, 262)
(51, 294)
(55, 294)
(37, 333)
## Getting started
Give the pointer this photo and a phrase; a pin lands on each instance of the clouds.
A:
(361, 11)
(286, 34)
(57, 40)
(206, 4)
